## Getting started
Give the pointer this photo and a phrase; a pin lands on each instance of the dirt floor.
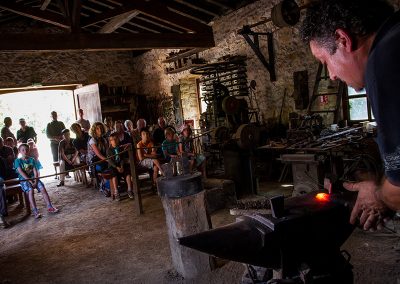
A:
(96, 240)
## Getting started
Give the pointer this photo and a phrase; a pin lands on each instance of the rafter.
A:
(118, 22)
(96, 42)
(75, 13)
(36, 14)
(197, 6)
(152, 9)
(45, 4)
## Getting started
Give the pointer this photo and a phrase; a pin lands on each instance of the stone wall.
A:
(23, 69)
(190, 100)
(290, 55)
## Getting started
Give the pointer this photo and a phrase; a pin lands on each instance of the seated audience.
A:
(136, 133)
(170, 145)
(186, 149)
(10, 142)
(147, 154)
(81, 140)
(7, 154)
(129, 126)
(27, 169)
(158, 135)
(123, 137)
(68, 155)
(97, 146)
(33, 151)
(108, 122)
(118, 167)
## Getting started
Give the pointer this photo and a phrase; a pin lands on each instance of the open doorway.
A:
(35, 107)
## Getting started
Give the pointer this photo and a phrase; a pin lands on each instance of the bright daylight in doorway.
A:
(35, 107)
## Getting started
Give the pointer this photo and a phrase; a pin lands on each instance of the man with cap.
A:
(25, 132)
(53, 132)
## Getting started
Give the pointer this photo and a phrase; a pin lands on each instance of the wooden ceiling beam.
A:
(76, 15)
(118, 22)
(155, 24)
(154, 9)
(36, 14)
(45, 4)
(222, 3)
(202, 7)
(98, 42)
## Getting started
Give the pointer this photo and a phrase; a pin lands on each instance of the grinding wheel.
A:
(247, 136)
(231, 105)
(285, 14)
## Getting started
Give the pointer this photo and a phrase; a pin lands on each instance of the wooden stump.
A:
(186, 214)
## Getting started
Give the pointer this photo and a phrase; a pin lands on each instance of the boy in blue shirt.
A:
(27, 168)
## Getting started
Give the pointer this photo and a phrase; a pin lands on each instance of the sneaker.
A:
(130, 194)
(36, 213)
(118, 197)
(52, 210)
(60, 184)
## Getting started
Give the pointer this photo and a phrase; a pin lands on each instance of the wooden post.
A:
(185, 213)
(136, 190)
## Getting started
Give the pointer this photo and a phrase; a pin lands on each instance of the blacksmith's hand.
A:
(370, 210)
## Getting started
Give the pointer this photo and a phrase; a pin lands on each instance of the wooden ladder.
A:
(331, 88)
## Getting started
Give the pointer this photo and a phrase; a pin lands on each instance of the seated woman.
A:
(10, 142)
(186, 149)
(147, 154)
(81, 140)
(97, 148)
(118, 167)
(123, 137)
(68, 155)
(170, 145)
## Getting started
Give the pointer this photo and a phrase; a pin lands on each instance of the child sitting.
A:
(147, 154)
(116, 164)
(169, 145)
(26, 168)
(33, 151)
(186, 148)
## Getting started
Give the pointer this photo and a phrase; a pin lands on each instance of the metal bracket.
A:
(254, 43)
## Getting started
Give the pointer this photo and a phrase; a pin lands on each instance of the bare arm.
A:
(97, 151)
(389, 194)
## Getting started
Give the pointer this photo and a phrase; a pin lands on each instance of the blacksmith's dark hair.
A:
(359, 18)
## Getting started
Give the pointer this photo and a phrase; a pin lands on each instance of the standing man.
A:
(159, 136)
(25, 132)
(84, 123)
(53, 132)
(359, 41)
(6, 132)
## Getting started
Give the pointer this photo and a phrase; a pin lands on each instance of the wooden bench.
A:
(12, 187)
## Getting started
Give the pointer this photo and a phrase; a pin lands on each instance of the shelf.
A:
(115, 109)
(183, 55)
(183, 68)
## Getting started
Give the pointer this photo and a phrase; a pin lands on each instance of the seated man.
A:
(7, 154)
(68, 155)
(147, 154)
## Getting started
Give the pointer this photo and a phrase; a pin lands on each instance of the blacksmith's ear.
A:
(345, 41)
